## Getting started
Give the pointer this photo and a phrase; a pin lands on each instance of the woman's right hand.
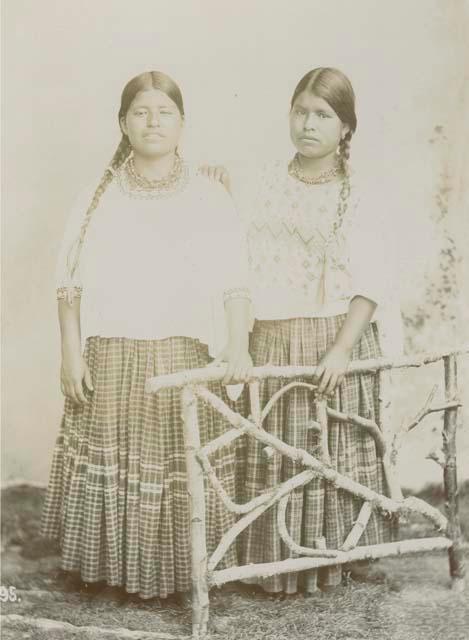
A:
(74, 375)
(216, 173)
(238, 364)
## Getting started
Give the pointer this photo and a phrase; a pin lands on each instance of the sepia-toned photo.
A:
(235, 320)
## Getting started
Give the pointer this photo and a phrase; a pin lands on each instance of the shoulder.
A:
(206, 189)
(95, 188)
(80, 202)
(273, 172)
(85, 193)
(212, 202)
(265, 180)
(259, 173)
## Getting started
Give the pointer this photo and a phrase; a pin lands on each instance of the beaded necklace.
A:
(138, 186)
(294, 169)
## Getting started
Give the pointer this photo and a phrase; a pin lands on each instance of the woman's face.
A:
(315, 128)
(153, 124)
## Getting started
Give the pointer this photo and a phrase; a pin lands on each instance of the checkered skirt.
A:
(117, 498)
(318, 509)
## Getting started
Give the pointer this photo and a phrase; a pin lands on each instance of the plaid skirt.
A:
(317, 509)
(117, 498)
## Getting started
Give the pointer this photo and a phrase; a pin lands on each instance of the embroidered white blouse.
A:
(299, 267)
(155, 268)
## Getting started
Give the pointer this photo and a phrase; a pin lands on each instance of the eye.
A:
(323, 114)
(299, 111)
(140, 112)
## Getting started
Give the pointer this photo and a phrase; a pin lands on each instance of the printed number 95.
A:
(8, 594)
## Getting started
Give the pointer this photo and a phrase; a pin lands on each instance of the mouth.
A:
(153, 136)
(309, 140)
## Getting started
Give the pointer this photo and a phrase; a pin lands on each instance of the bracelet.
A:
(239, 292)
(63, 292)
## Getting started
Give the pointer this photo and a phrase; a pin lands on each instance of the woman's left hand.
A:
(330, 371)
(239, 364)
(216, 173)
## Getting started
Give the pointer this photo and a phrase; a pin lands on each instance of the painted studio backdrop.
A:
(65, 64)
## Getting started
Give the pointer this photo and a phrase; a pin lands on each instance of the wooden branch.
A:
(278, 394)
(425, 410)
(416, 505)
(456, 553)
(311, 577)
(392, 482)
(358, 528)
(268, 452)
(404, 429)
(385, 419)
(195, 487)
(396, 444)
(230, 536)
(338, 480)
(291, 565)
(454, 404)
(255, 402)
(321, 415)
(16, 622)
(211, 374)
(222, 441)
(437, 456)
(367, 424)
(232, 506)
(385, 416)
(288, 540)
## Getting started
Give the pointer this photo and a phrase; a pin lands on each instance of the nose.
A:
(153, 119)
(310, 122)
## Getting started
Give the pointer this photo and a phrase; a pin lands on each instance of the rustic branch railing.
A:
(204, 573)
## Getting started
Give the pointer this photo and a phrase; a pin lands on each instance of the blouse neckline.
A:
(133, 190)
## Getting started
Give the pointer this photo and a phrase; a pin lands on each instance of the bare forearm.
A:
(75, 376)
(237, 315)
(358, 317)
(332, 367)
(69, 320)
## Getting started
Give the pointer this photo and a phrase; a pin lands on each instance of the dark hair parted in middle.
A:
(146, 82)
(335, 88)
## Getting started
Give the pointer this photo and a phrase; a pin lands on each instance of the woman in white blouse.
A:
(318, 282)
(151, 261)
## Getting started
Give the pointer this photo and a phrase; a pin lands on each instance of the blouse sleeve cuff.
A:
(69, 293)
(239, 292)
(377, 290)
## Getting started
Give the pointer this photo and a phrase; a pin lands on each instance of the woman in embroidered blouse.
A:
(317, 283)
(137, 284)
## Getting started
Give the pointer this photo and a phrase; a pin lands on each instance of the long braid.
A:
(121, 154)
(344, 194)
(344, 149)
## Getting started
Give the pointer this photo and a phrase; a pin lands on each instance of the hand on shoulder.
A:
(217, 174)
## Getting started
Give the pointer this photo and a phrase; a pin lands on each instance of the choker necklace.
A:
(139, 186)
(294, 169)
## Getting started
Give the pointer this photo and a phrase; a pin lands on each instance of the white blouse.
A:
(300, 267)
(155, 268)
